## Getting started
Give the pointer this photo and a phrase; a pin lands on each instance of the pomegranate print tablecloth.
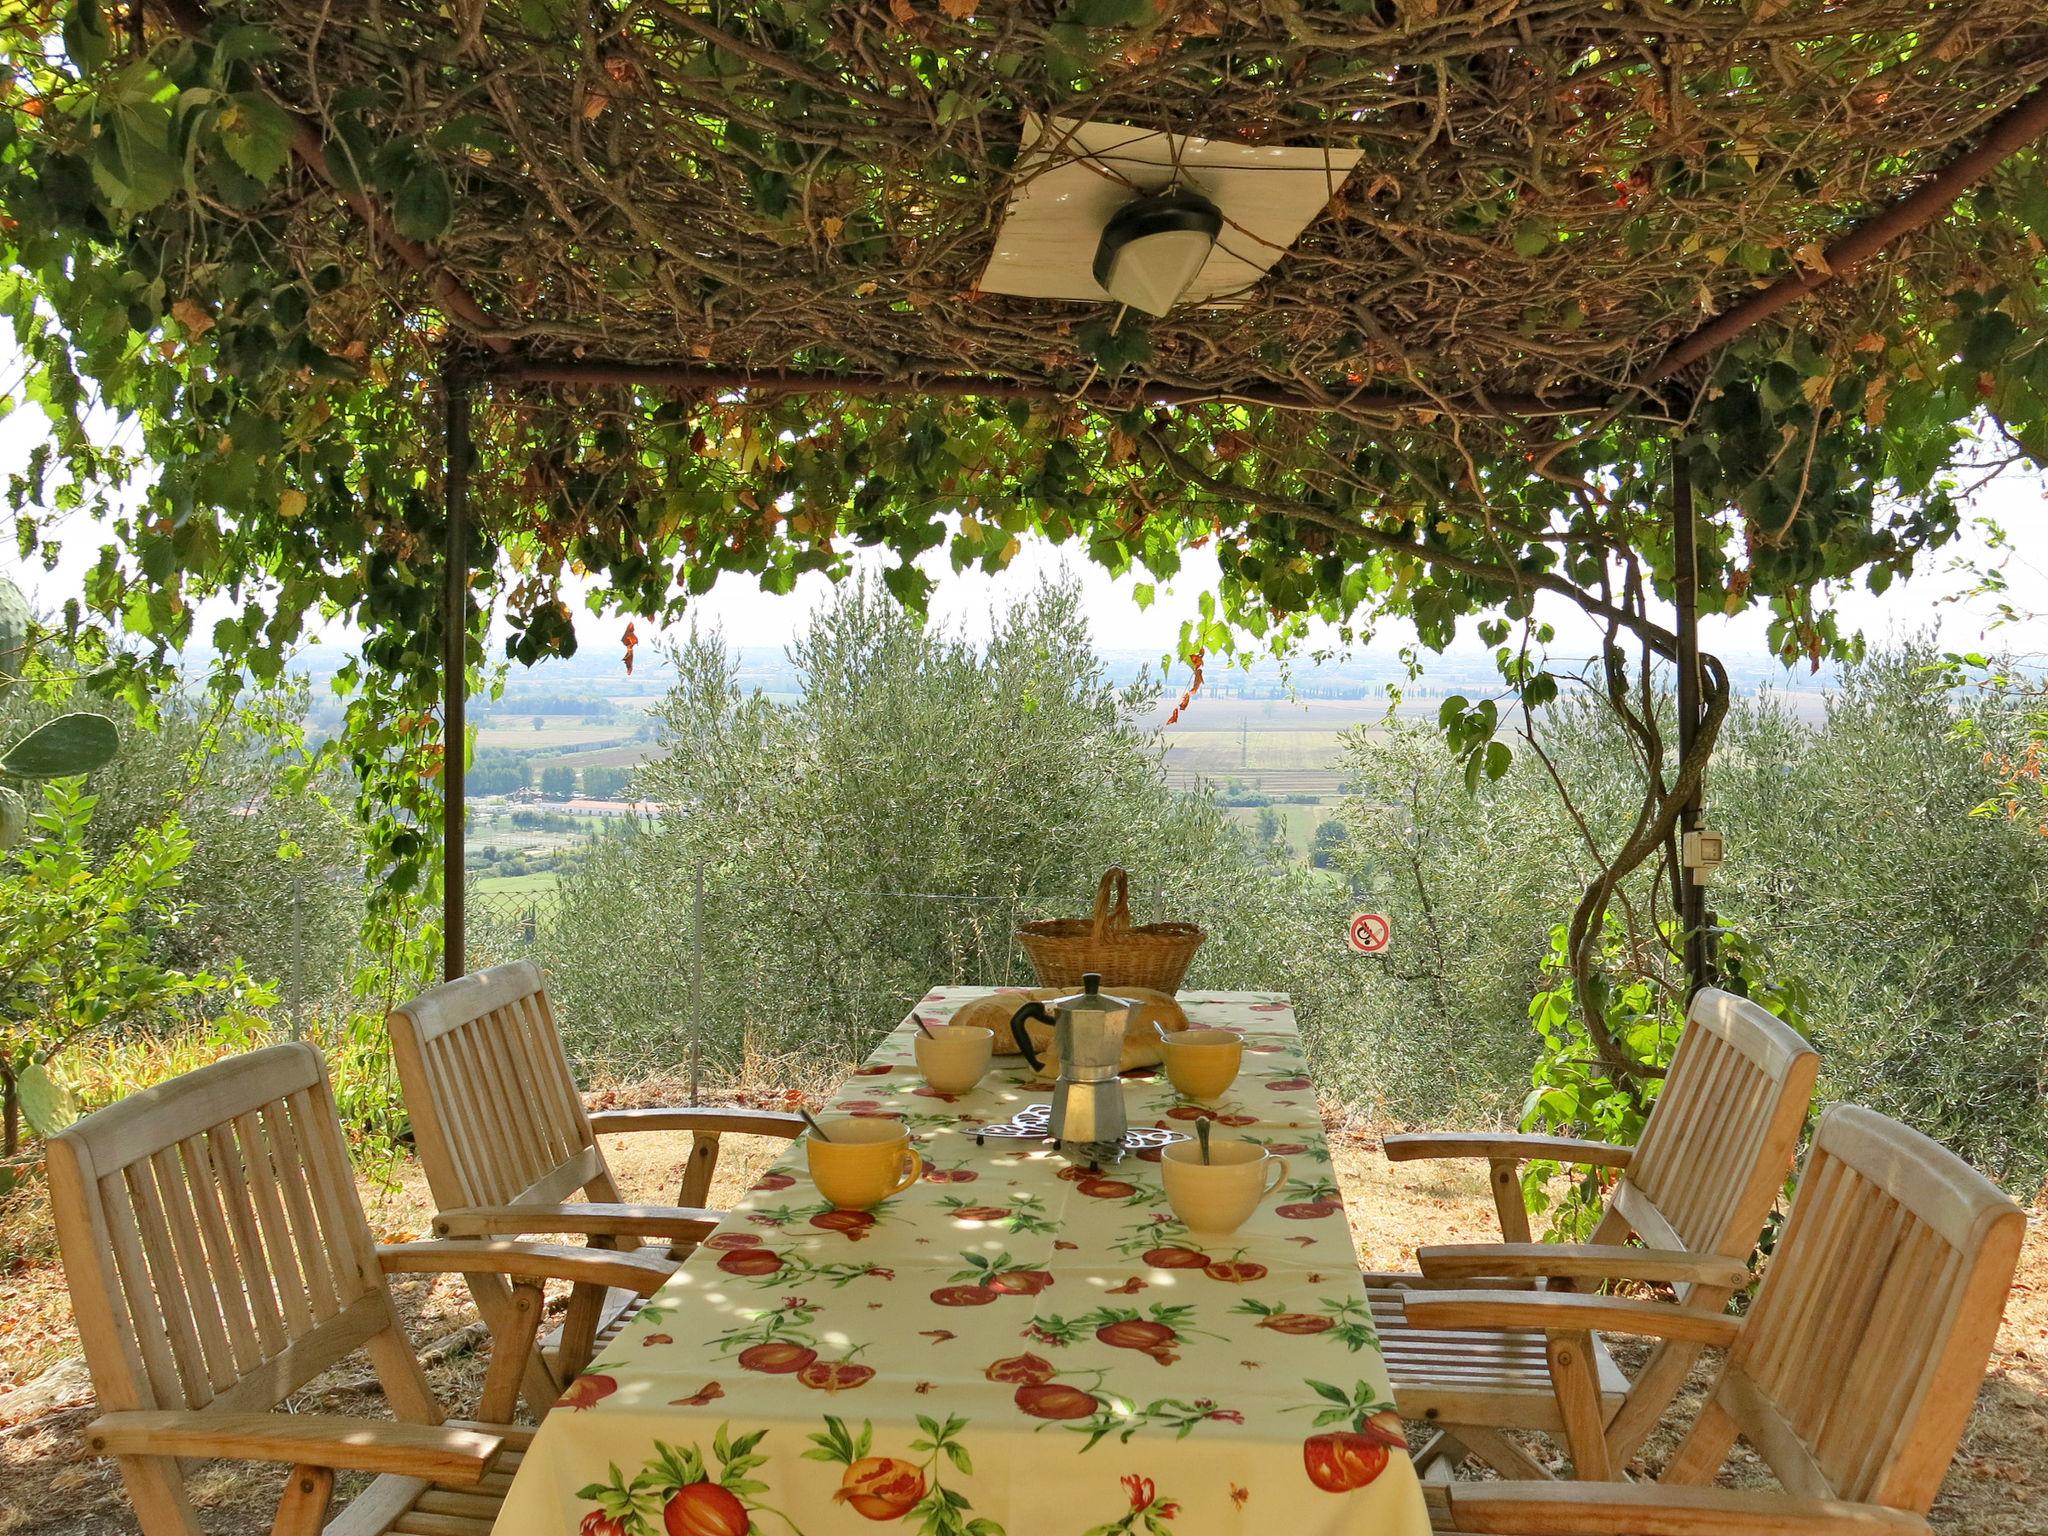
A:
(1011, 1347)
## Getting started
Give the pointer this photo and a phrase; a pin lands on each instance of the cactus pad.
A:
(68, 744)
(13, 819)
(13, 632)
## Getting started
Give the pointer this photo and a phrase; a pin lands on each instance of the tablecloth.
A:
(1011, 1347)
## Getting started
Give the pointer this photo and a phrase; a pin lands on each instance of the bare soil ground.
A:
(48, 1485)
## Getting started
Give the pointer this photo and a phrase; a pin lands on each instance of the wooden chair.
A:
(507, 1146)
(1852, 1377)
(219, 1260)
(1694, 1193)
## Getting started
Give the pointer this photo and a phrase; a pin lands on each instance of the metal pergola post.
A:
(455, 447)
(1691, 897)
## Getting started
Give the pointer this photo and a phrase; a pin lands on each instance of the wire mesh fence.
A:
(712, 983)
(727, 975)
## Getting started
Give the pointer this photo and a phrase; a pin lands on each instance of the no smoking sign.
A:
(1370, 934)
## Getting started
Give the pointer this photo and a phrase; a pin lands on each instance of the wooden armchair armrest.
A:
(675, 1222)
(635, 1270)
(708, 1122)
(1565, 1312)
(1505, 1153)
(437, 1452)
(1580, 1261)
(1397, 1280)
(1645, 1509)
(1507, 1146)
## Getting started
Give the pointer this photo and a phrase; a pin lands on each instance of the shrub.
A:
(887, 830)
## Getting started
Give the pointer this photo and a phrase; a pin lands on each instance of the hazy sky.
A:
(749, 616)
(1932, 599)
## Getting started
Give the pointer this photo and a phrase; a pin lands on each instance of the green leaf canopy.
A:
(714, 271)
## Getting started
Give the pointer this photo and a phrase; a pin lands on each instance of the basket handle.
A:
(1110, 917)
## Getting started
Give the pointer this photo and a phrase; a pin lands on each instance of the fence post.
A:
(295, 984)
(697, 986)
(1690, 897)
(1010, 937)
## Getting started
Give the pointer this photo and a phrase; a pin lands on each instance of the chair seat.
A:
(1478, 1376)
(411, 1506)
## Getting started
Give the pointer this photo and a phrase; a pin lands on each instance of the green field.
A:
(1298, 821)
(618, 755)
(1272, 747)
(507, 887)
(1227, 754)
(556, 732)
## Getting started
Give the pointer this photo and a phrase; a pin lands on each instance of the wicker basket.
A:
(1064, 949)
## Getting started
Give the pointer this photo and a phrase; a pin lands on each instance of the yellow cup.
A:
(1201, 1063)
(1219, 1195)
(862, 1161)
(953, 1057)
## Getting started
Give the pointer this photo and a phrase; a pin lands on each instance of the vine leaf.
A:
(425, 205)
(257, 134)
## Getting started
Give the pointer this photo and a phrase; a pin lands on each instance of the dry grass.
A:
(1998, 1486)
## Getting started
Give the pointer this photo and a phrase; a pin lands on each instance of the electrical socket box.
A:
(1703, 852)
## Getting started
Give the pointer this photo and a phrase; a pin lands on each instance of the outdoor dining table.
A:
(1012, 1345)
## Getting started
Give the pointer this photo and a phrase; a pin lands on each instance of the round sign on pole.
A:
(1371, 934)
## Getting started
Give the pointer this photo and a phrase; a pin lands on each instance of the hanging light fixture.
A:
(1154, 247)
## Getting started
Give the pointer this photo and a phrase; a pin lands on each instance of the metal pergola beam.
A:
(521, 368)
(455, 450)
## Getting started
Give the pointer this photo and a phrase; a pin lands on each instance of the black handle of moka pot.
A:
(1031, 1010)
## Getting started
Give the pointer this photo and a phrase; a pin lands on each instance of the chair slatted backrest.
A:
(1713, 1155)
(1859, 1363)
(215, 1244)
(1722, 1134)
(467, 1049)
(217, 1252)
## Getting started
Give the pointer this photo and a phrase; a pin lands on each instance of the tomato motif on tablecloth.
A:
(1027, 1348)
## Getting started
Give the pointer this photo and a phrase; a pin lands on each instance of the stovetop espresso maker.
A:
(1088, 1038)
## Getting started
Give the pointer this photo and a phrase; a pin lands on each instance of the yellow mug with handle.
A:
(1218, 1195)
(862, 1160)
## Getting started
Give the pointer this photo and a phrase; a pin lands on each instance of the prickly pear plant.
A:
(14, 620)
(56, 749)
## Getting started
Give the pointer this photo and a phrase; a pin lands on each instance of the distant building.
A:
(606, 810)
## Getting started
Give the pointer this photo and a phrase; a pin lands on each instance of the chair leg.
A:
(156, 1494)
(579, 1330)
(1649, 1396)
(303, 1509)
(512, 1350)
(1577, 1387)
(697, 1172)
(1505, 1176)
(1705, 1447)
(541, 1386)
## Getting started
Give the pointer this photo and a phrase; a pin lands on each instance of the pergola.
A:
(1563, 212)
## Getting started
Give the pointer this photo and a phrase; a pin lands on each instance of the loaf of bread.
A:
(1141, 1044)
